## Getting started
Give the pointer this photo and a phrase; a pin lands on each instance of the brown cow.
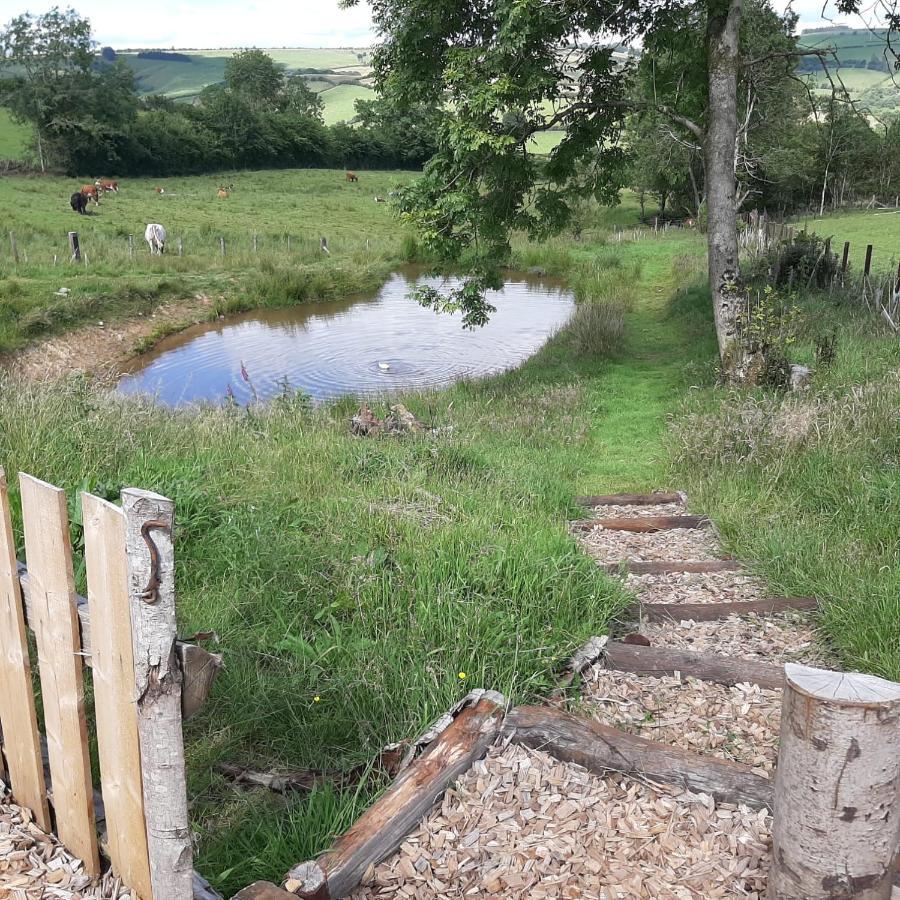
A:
(159, 190)
(352, 177)
(107, 187)
(90, 191)
(222, 194)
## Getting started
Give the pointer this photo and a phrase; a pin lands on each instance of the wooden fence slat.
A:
(158, 682)
(113, 674)
(21, 739)
(49, 556)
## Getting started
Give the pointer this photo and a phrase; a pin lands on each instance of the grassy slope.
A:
(369, 574)
(13, 137)
(340, 101)
(879, 228)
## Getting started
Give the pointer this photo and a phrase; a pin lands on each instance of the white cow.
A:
(155, 236)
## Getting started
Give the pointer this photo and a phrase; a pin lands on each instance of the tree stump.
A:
(837, 787)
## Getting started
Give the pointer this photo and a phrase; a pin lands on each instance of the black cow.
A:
(79, 202)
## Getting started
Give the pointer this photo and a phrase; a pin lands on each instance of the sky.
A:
(256, 23)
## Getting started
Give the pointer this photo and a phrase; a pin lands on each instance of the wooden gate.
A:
(125, 631)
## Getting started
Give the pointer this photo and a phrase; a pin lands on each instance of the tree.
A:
(496, 67)
(256, 76)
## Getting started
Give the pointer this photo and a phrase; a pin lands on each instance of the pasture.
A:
(881, 228)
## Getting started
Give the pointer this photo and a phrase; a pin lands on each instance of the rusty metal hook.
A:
(150, 594)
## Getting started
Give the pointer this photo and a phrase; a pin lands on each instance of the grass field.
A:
(13, 137)
(184, 80)
(881, 228)
(361, 586)
(339, 101)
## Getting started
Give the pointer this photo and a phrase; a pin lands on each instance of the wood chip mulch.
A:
(520, 824)
(34, 865)
(610, 511)
(696, 587)
(611, 546)
(740, 723)
(787, 637)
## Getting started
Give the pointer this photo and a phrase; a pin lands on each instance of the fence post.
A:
(288, 243)
(74, 247)
(158, 684)
(324, 245)
(836, 786)
(114, 691)
(12, 246)
(255, 243)
(18, 718)
(56, 628)
(180, 245)
(846, 257)
(131, 246)
(868, 268)
(222, 245)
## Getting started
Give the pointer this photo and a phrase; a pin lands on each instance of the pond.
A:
(364, 346)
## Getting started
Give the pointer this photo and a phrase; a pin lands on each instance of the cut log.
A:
(643, 524)
(383, 827)
(601, 749)
(199, 666)
(709, 612)
(662, 661)
(837, 787)
(665, 567)
(629, 499)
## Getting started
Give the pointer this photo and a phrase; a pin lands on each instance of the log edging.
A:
(652, 499)
(667, 566)
(642, 524)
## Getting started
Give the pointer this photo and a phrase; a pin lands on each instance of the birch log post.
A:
(151, 587)
(837, 787)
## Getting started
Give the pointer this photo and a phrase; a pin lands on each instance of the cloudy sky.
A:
(250, 23)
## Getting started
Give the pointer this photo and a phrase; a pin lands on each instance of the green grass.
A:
(13, 137)
(340, 101)
(881, 228)
(370, 573)
(276, 207)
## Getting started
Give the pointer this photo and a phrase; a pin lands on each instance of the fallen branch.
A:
(602, 749)
(383, 827)
(708, 612)
(662, 661)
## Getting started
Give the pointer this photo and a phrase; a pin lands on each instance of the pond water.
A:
(365, 346)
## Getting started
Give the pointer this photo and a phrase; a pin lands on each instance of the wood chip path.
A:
(522, 824)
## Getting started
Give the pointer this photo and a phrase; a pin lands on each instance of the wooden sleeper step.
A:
(666, 567)
(654, 499)
(709, 612)
(643, 524)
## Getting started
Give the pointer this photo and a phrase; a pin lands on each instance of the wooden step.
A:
(708, 612)
(628, 499)
(666, 567)
(663, 661)
(601, 749)
(642, 524)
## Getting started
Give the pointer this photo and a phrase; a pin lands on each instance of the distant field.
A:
(184, 80)
(13, 137)
(880, 228)
(339, 101)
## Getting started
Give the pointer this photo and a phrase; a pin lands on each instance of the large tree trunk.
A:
(729, 298)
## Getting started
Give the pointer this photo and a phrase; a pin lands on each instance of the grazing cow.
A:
(380, 200)
(352, 177)
(222, 193)
(107, 187)
(79, 203)
(90, 191)
(159, 190)
(155, 236)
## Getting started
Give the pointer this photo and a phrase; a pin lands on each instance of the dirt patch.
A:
(105, 347)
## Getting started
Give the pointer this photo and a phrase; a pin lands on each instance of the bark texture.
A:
(837, 787)
(723, 37)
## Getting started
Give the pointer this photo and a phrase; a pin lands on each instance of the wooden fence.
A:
(125, 631)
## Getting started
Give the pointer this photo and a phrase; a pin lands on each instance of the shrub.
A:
(597, 329)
